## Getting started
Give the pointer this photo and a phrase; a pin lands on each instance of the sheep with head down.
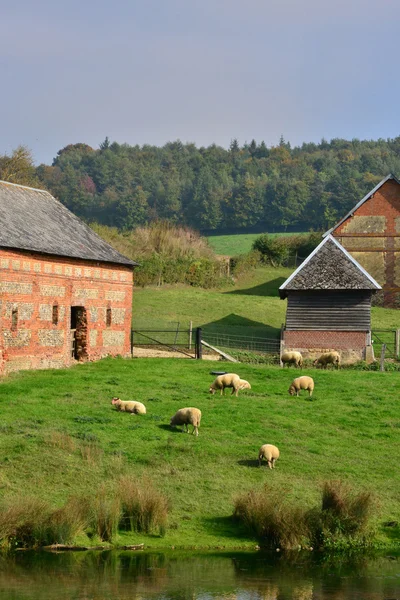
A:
(229, 380)
(329, 358)
(186, 417)
(270, 453)
(292, 358)
(301, 383)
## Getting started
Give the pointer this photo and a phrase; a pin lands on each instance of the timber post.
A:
(383, 350)
(199, 349)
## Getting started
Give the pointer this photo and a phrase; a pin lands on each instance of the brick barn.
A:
(371, 233)
(329, 305)
(65, 294)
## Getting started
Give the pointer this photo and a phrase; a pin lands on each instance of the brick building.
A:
(329, 304)
(65, 294)
(371, 233)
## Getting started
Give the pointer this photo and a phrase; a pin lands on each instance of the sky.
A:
(202, 71)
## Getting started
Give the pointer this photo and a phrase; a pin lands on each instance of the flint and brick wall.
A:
(32, 284)
(372, 236)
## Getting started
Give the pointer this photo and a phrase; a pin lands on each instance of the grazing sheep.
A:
(185, 417)
(223, 381)
(270, 453)
(330, 358)
(242, 384)
(130, 406)
(301, 383)
(292, 358)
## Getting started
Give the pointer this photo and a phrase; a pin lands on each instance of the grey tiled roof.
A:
(329, 267)
(33, 220)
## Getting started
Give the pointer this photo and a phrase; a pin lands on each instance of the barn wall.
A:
(316, 310)
(350, 344)
(372, 236)
(32, 284)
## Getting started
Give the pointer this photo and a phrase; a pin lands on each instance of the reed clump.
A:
(105, 514)
(266, 514)
(144, 509)
(343, 514)
(342, 519)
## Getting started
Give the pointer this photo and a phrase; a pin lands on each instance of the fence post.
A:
(383, 350)
(176, 333)
(131, 342)
(190, 334)
(397, 343)
(199, 349)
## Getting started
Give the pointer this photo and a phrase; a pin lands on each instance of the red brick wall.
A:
(34, 283)
(350, 344)
(377, 251)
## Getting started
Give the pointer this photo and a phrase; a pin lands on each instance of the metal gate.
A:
(390, 337)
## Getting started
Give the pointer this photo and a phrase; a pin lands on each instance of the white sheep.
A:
(185, 417)
(130, 406)
(292, 357)
(229, 380)
(301, 383)
(330, 358)
(270, 453)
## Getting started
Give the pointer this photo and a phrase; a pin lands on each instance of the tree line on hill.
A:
(248, 186)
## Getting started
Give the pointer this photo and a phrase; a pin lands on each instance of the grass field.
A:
(233, 245)
(250, 307)
(60, 437)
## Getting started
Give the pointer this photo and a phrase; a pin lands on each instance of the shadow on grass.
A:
(238, 325)
(173, 429)
(226, 527)
(269, 288)
(248, 463)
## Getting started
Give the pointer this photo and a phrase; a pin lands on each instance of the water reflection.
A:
(179, 576)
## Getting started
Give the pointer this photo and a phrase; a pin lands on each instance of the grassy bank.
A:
(61, 438)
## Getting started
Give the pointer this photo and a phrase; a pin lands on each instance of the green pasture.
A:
(60, 437)
(233, 245)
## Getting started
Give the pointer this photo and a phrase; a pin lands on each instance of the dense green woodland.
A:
(250, 186)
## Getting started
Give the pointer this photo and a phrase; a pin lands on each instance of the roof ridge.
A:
(360, 202)
(26, 187)
(344, 252)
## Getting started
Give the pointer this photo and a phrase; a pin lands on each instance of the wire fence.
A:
(242, 342)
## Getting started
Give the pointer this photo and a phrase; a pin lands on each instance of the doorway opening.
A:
(78, 333)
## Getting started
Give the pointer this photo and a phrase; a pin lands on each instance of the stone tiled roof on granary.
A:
(329, 267)
(34, 220)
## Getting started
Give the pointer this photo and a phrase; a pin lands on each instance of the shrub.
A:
(277, 250)
(244, 262)
(275, 523)
(144, 509)
(343, 514)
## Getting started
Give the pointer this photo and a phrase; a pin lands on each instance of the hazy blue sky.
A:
(204, 71)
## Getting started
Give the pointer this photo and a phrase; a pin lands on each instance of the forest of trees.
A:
(245, 187)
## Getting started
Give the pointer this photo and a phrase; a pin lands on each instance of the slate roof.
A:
(34, 220)
(366, 197)
(329, 267)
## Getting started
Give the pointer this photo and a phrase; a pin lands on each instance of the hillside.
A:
(61, 438)
(249, 187)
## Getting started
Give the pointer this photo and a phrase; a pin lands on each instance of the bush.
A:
(277, 250)
(343, 514)
(144, 509)
(244, 262)
(266, 515)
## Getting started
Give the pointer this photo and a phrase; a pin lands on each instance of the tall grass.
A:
(267, 515)
(144, 509)
(105, 514)
(167, 254)
(343, 514)
(343, 517)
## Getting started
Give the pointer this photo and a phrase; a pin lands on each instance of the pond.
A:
(116, 575)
